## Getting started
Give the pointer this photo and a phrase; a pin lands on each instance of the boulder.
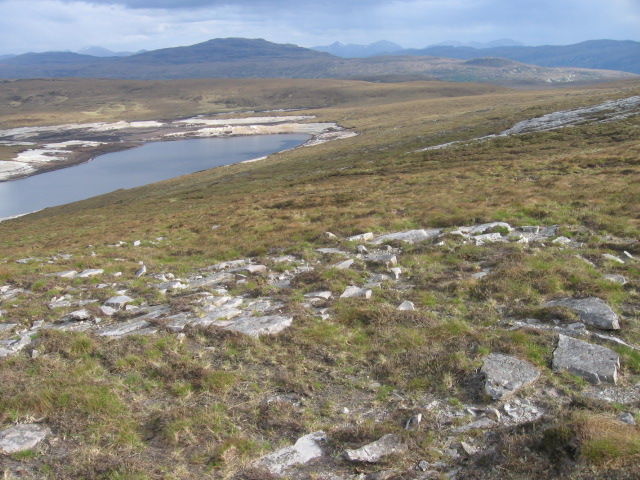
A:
(356, 292)
(374, 452)
(118, 302)
(121, 329)
(616, 278)
(90, 272)
(304, 450)
(22, 437)
(383, 259)
(410, 236)
(594, 363)
(363, 237)
(592, 311)
(406, 305)
(343, 265)
(505, 375)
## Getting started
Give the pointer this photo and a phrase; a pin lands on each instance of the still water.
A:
(132, 168)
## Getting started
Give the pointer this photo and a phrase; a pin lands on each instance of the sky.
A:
(132, 25)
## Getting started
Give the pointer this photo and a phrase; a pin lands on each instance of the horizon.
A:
(441, 43)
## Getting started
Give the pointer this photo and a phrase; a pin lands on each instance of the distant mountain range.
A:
(358, 51)
(385, 47)
(602, 54)
(257, 58)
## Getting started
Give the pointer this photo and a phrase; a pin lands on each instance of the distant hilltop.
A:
(259, 58)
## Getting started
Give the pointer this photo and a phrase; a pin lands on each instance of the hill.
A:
(257, 58)
(468, 310)
(357, 51)
(599, 54)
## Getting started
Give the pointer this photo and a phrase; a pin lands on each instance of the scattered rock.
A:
(627, 418)
(384, 259)
(616, 278)
(561, 240)
(356, 292)
(591, 310)
(122, 329)
(410, 236)
(13, 346)
(613, 258)
(22, 437)
(304, 450)
(79, 315)
(505, 375)
(363, 237)
(257, 326)
(406, 305)
(375, 451)
(593, 362)
(323, 295)
(414, 422)
(118, 302)
(343, 265)
(90, 273)
(65, 274)
(140, 271)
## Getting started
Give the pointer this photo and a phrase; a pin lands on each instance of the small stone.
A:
(505, 375)
(90, 272)
(616, 278)
(140, 271)
(493, 414)
(122, 329)
(65, 274)
(414, 422)
(423, 465)
(613, 258)
(108, 311)
(406, 305)
(22, 437)
(396, 272)
(356, 292)
(79, 315)
(137, 243)
(304, 450)
(384, 259)
(330, 235)
(362, 249)
(375, 451)
(627, 418)
(627, 255)
(324, 295)
(343, 265)
(468, 449)
(118, 302)
(561, 240)
(363, 237)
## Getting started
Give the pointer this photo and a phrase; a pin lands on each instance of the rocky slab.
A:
(22, 437)
(505, 375)
(257, 326)
(594, 363)
(118, 302)
(410, 236)
(376, 451)
(124, 328)
(356, 292)
(592, 311)
(304, 450)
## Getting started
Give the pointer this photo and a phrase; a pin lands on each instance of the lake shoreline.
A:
(73, 145)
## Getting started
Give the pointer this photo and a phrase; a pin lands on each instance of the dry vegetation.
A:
(164, 407)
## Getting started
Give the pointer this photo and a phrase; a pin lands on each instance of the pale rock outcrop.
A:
(592, 311)
(594, 363)
(304, 450)
(505, 375)
(376, 451)
(410, 236)
(22, 437)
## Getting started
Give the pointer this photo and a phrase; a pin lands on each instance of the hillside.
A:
(245, 58)
(387, 306)
(599, 54)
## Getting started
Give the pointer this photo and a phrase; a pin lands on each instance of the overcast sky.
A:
(131, 25)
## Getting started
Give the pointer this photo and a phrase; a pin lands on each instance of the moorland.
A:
(134, 372)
